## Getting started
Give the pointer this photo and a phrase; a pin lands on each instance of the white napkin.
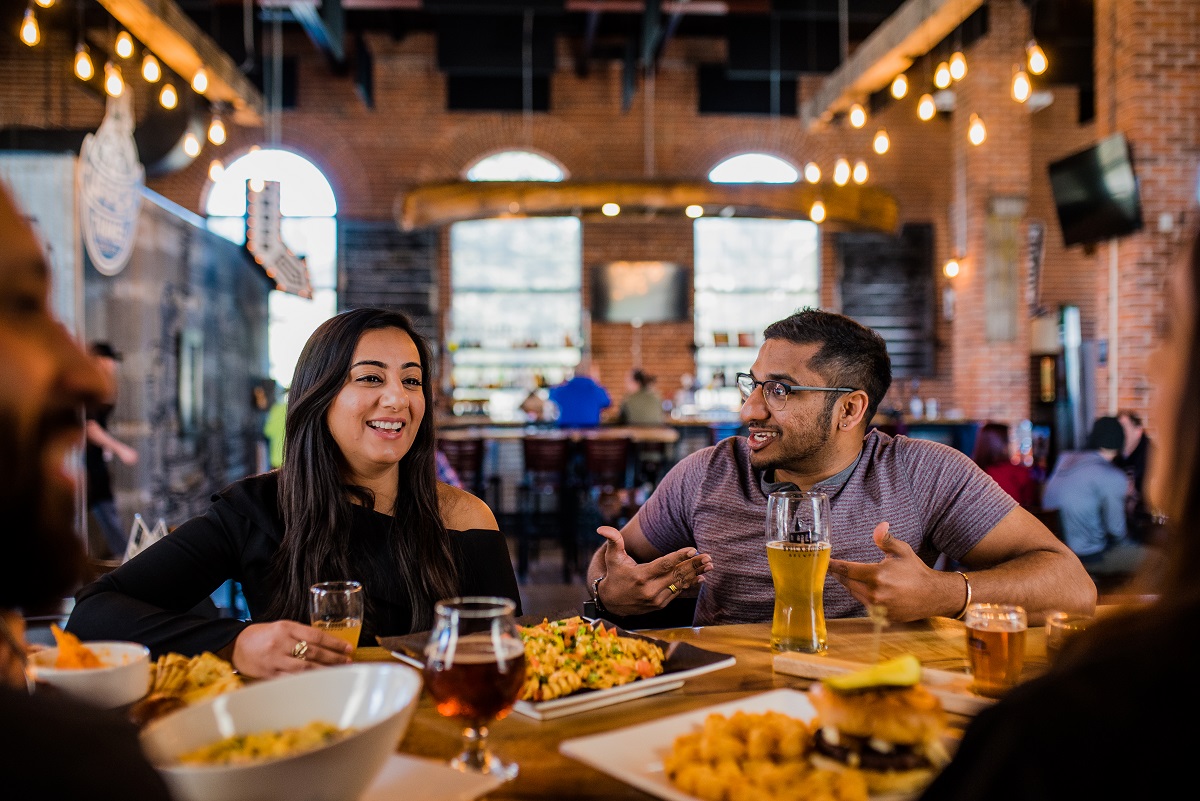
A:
(418, 779)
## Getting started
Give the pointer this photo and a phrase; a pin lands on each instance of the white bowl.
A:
(378, 700)
(124, 678)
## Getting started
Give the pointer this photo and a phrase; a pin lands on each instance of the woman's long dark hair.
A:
(991, 446)
(316, 502)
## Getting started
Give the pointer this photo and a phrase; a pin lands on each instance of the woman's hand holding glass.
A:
(264, 650)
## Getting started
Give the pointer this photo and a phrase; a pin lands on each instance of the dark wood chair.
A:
(466, 457)
(546, 504)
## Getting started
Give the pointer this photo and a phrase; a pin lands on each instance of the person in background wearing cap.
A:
(1089, 491)
(102, 446)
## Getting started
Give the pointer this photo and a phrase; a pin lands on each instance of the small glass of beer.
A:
(474, 671)
(1061, 626)
(336, 607)
(995, 646)
(798, 549)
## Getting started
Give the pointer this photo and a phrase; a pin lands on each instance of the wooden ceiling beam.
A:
(176, 40)
(433, 205)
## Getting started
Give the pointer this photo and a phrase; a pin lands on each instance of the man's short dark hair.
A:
(851, 355)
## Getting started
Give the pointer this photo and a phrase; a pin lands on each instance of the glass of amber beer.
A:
(798, 549)
(995, 646)
(336, 607)
(474, 671)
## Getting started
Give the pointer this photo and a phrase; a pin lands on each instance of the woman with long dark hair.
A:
(356, 497)
(991, 453)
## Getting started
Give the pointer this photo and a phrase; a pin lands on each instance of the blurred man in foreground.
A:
(66, 749)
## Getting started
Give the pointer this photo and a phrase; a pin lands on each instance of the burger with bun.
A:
(883, 722)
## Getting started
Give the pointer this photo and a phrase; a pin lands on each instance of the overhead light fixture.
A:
(124, 45)
(257, 184)
(926, 108)
(817, 212)
(114, 84)
(841, 172)
(216, 130)
(951, 268)
(1036, 57)
(191, 145)
(30, 34)
(858, 115)
(958, 65)
(84, 69)
(200, 81)
(694, 210)
(882, 142)
(812, 173)
(168, 98)
(860, 172)
(610, 209)
(45, 3)
(900, 86)
(151, 70)
(941, 76)
(1022, 87)
(215, 170)
(976, 132)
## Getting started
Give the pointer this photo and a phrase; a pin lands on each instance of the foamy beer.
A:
(995, 646)
(798, 550)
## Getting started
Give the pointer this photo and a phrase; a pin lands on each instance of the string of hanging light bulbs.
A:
(124, 48)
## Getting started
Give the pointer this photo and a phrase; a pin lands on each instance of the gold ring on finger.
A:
(673, 589)
(300, 650)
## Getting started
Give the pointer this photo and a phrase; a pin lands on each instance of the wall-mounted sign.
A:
(265, 241)
(110, 181)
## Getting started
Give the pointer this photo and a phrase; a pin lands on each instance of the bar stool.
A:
(544, 483)
(605, 488)
(466, 457)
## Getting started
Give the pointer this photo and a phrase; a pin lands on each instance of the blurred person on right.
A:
(62, 748)
(1102, 722)
(992, 455)
(1133, 460)
(642, 406)
(1089, 492)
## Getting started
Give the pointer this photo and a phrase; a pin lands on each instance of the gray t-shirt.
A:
(1089, 492)
(935, 498)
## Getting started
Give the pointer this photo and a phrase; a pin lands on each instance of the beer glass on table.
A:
(798, 550)
(336, 607)
(995, 646)
(474, 670)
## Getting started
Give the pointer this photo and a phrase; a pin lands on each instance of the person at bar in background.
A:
(1130, 678)
(1133, 460)
(580, 399)
(64, 748)
(101, 447)
(643, 405)
(993, 456)
(357, 498)
(808, 398)
(274, 425)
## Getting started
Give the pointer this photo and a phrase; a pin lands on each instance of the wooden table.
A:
(663, 434)
(546, 774)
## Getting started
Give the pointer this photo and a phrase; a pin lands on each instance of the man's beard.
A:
(797, 456)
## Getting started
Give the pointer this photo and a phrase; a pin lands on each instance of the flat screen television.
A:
(639, 292)
(1096, 193)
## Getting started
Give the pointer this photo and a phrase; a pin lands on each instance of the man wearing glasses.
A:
(897, 504)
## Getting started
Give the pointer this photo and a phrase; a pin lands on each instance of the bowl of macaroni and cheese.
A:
(311, 736)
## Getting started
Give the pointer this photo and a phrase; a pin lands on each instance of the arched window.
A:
(748, 274)
(515, 297)
(309, 230)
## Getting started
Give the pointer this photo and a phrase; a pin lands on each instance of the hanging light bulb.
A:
(882, 142)
(216, 131)
(951, 268)
(1022, 88)
(926, 108)
(124, 46)
(610, 209)
(858, 115)
(45, 3)
(30, 34)
(114, 84)
(1036, 57)
(841, 172)
(694, 210)
(257, 184)
(812, 173)
(817, 212)
(958, 65)
(191, 145)
(200, 81)
(976, 133)
(151, 70)
(900, 86)
(860, 172)
(84, 68)
(215, 170)
(168, 98)
(941, 76)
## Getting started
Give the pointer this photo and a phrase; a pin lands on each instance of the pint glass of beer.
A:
(798, 549)
(995, 646)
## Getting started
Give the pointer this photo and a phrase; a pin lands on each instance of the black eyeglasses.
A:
(776, 393)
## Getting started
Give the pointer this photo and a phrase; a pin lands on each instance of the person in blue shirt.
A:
(581, 399)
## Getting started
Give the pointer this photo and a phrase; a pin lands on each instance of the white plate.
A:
(634, 754)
